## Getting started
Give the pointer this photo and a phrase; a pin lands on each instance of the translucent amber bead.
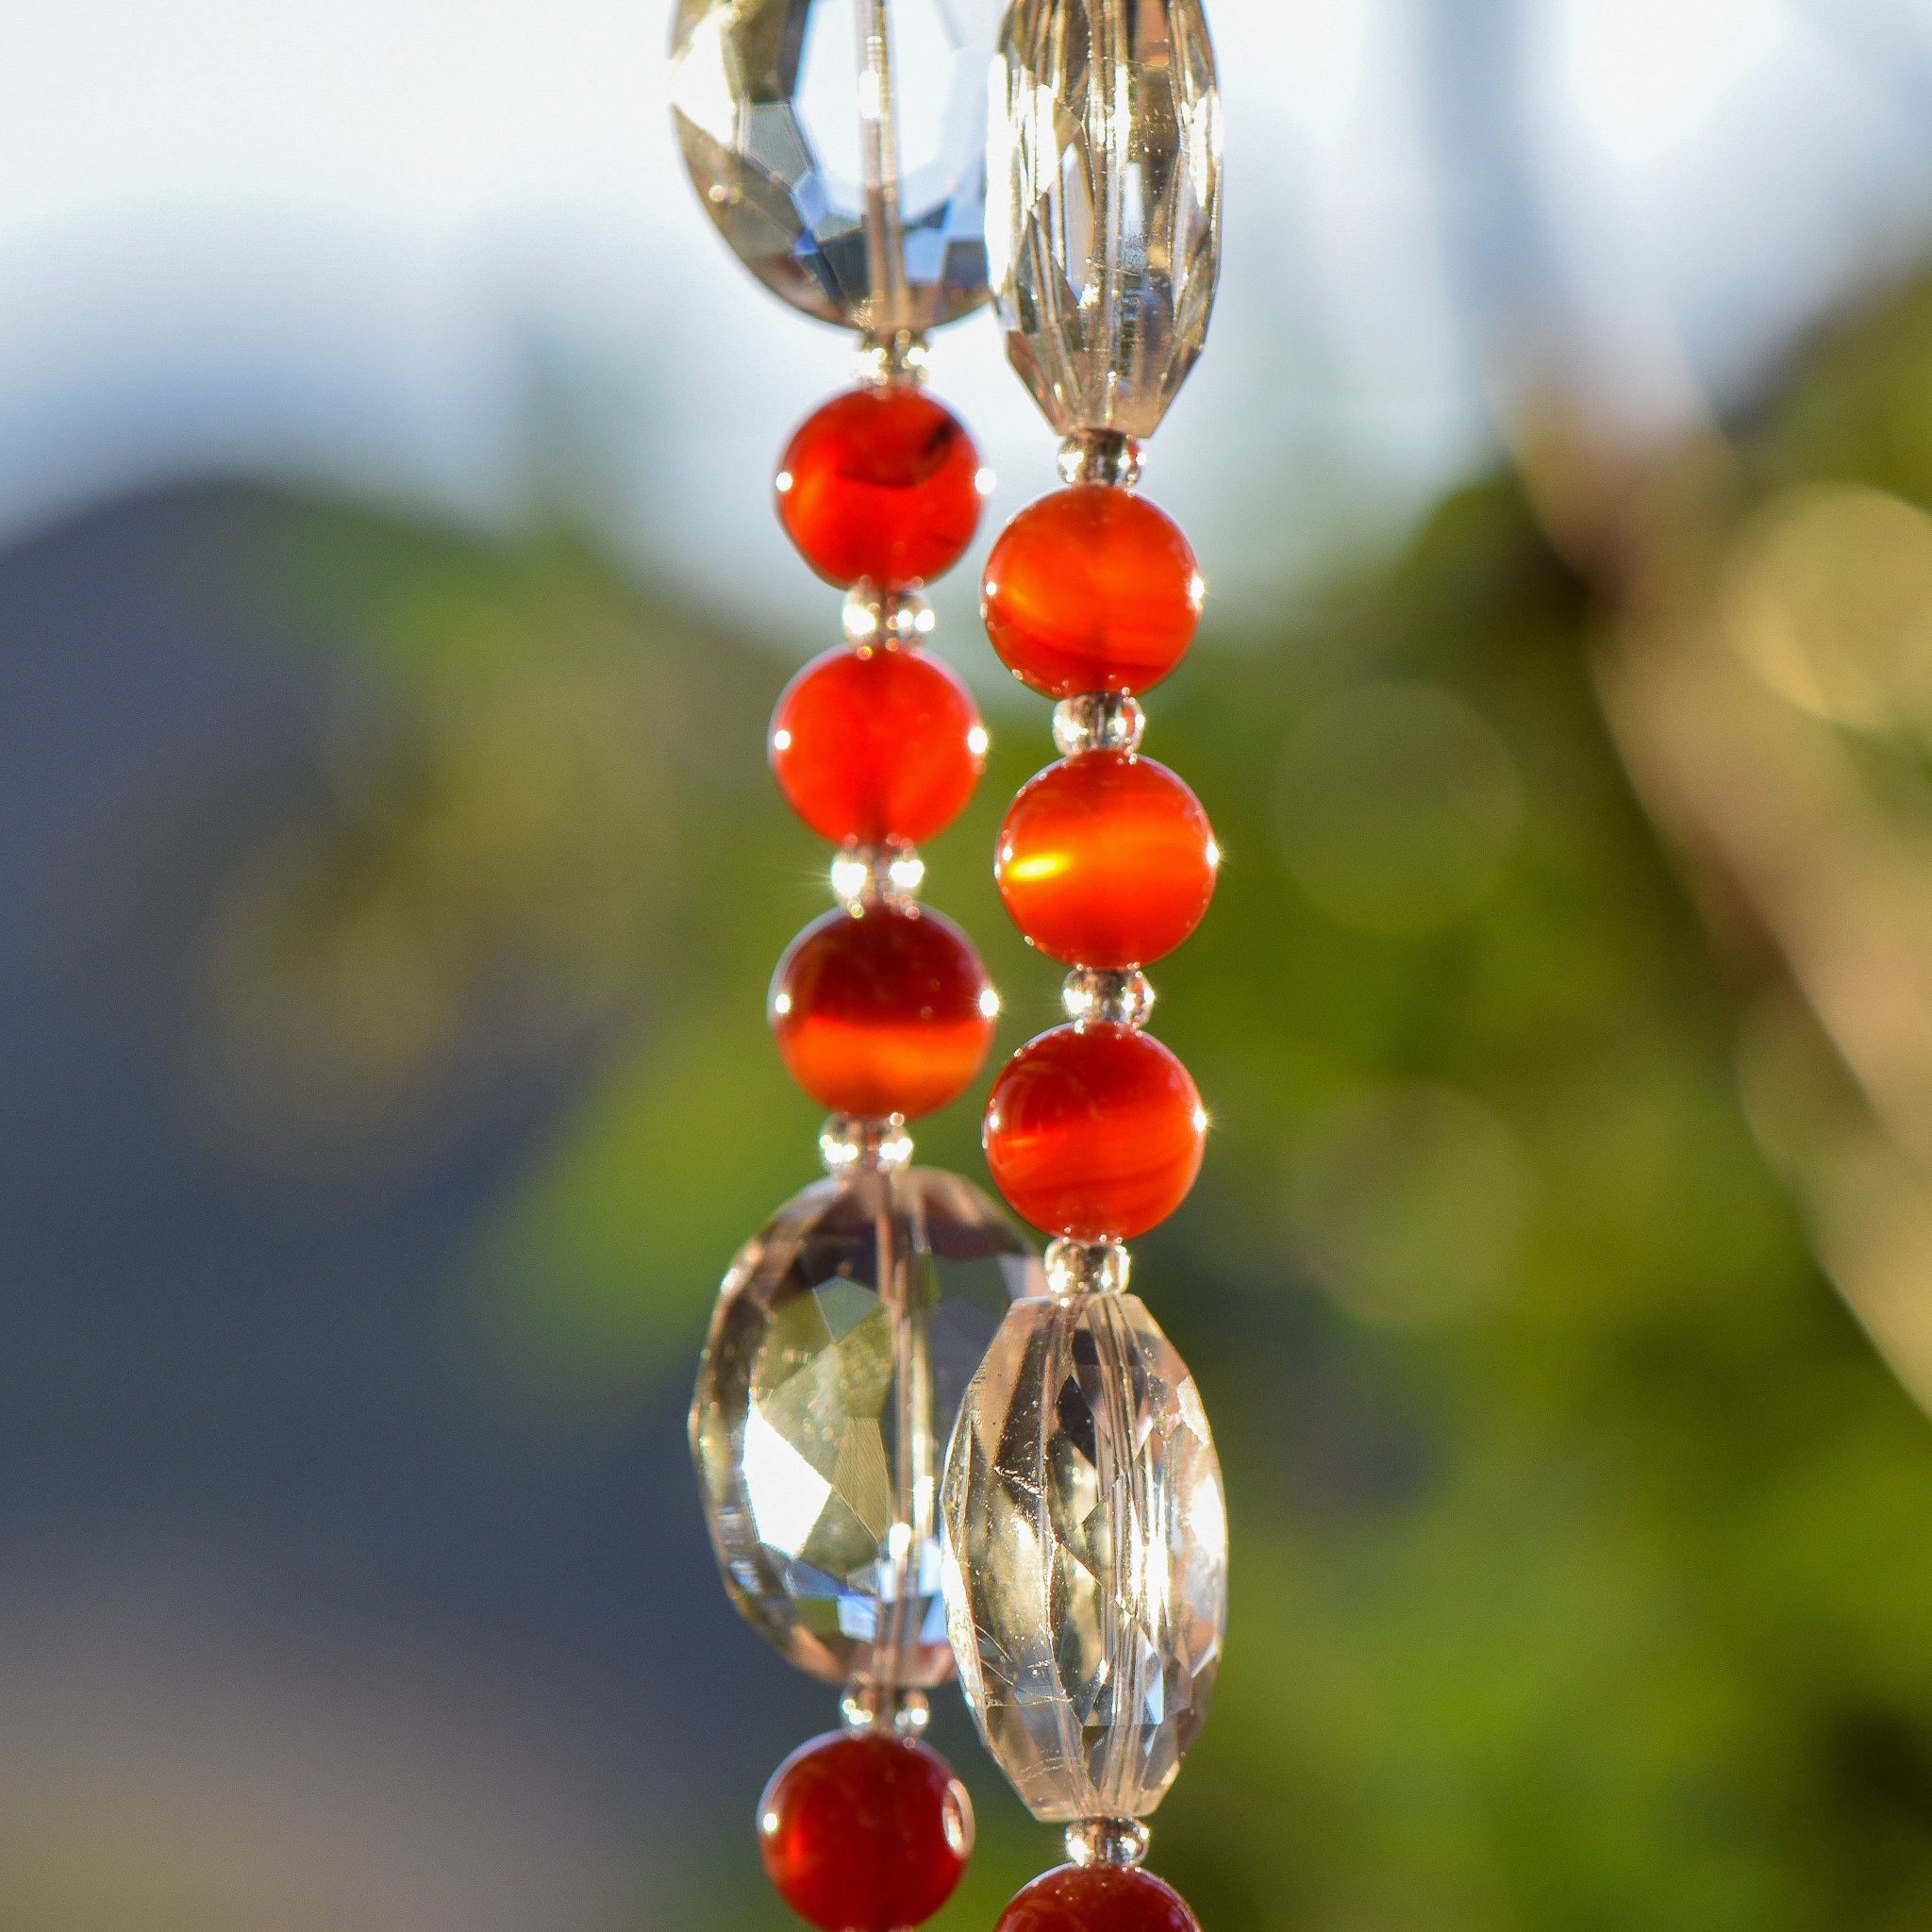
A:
(881, 1012)
(879, 744)
(882, 484)
(1091, 590)
(1107, 859)
(1097, 1898)
(1095, 1132)
(865, 1834)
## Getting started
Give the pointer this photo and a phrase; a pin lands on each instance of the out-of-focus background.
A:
(389, 609)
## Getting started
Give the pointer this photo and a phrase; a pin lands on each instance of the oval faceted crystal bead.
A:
(1085, 1555)
(843, 1342)
(1103, 204)
(840, 147)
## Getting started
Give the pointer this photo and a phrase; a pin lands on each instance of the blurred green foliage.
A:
(1582, 1543)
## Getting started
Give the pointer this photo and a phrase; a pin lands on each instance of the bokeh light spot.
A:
(1396, 807)
(1408, 1203)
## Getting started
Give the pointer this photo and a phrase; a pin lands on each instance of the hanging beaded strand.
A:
(1086, 1538)
(848, 1327)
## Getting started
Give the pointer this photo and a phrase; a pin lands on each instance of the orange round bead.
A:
(865, 1833)
(1095, 1132)
(876, 744)
(1107, 859)
(883, 1012)
(1097, 1898)
(880, 483)
(1091, 589)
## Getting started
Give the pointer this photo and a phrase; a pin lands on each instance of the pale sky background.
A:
(343, 240)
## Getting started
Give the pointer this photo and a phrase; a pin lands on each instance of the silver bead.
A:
(1107, 1842)
(1100, 456)
(867, 875)
(1103, 212)
(874, 616)
(846, 1143)
(848, 177)
(1090, 993)
(1087, 1267)
(839, 1351)
(1097, 720)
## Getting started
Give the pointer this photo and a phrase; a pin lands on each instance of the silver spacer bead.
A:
(848, 1144)
(1107, 1842)
(871, 1708)
(1100, 456)
(1087, 1267)
(867, 875)
(1126, 999)
(1097, 720)
(881, 362)
(892, 618)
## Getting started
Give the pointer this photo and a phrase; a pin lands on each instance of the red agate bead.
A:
(865, 1833)
(876, 744)
(1107, 859)
(880, 483)
(887, 1010)
(1095, 1132)
(1091, 589)
(1097, 1898)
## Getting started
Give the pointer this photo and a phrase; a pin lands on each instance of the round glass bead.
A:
(1106, 861)
(1099, 455)
(1097, 1898)
(1097, 720)
(876, 744)
(1095, 1132)
(1087, 1267)
(865, 1834)
(1107, 1842)
(884, 1011)
(867, 875)
(845, 1141)
(1088, 993)
(1091, 589)
(886, 617)
(880, 483)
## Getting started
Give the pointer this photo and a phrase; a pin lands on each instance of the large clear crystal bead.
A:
(839, 146)
(843, 1342)
(1086, 1568)
(1104, 204)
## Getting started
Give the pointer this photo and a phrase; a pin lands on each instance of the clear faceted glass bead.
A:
(839, 146)
(1086, 1556)
(843, 1342)
(1104, 204)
